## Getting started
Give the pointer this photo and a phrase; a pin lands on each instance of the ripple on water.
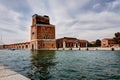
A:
(64, 65)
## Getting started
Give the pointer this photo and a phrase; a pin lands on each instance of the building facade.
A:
(108, 42)
(43, 37)
(24, 45)
(82, 43)
(42, 33)
(69, 42)
(1, 46)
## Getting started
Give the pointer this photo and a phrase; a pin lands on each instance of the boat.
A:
(12, 49)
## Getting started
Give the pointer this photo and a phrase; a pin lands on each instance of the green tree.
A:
(98, 43)
(90, 45)
(117, 37)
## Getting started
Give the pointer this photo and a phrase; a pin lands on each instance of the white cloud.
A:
(113, 4)
(92, 26)
(10, 24)
(69, 16)
(96, 5)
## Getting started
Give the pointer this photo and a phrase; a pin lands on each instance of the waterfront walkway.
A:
(91, 48)
(7, 74)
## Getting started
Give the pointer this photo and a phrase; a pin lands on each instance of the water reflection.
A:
(41, 62)
(63, 65)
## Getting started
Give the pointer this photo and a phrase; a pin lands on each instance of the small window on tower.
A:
(44, 37)
(49, 37)
(33, 33)
(52, 45)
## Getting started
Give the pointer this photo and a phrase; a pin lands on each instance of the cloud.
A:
(103, 5)
(84, 19)
(7, 30)
(11, 25)
(92, 22)
(17, 5)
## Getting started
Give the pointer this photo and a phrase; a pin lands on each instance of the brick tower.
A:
(42, 33)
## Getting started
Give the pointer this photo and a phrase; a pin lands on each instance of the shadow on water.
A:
(41, 62)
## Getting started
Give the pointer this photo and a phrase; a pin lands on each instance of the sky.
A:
(83, 19)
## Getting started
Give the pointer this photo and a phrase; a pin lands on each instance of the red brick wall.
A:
(33, 32)
(45, 32)
(1, 46)
(46, 44)
(24, 45)
(42, 33)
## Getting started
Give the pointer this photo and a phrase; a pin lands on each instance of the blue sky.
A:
(84, 19)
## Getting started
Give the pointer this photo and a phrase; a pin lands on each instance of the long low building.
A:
(24, 45)
(66, 42)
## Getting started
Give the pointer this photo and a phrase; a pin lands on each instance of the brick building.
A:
(1, 46)
(82, 43)
(43, 37)
(108, 42)
(69, 42)
(42, 33)
(24, 45)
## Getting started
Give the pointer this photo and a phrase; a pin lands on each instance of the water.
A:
(63, 65)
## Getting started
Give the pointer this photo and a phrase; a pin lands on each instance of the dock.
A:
(8, 74)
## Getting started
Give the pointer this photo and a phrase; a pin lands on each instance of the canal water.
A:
(63, 65)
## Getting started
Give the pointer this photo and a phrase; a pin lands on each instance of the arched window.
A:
(26, 46)
(43, 45)
(32, 47)
(44, 37)
(22, 47)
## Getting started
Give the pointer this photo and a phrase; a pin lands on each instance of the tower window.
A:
(52, 45)
(43, 45)
(33, 33)
(44, 37)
